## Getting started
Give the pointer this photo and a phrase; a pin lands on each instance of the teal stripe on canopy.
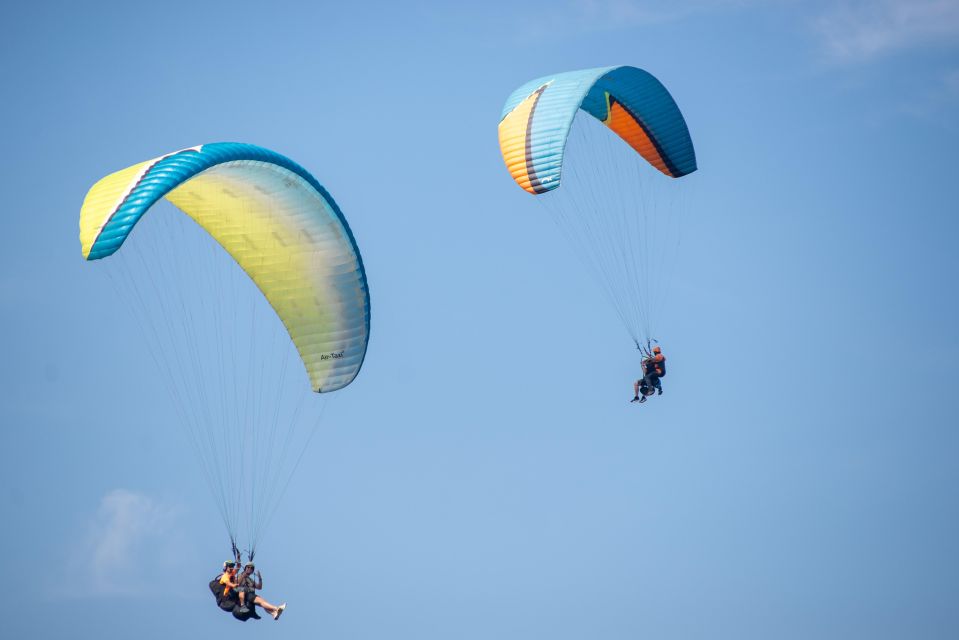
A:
(175, 169)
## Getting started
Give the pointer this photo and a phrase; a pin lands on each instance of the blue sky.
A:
(485, 476)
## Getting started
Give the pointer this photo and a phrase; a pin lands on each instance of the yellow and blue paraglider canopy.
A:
(276, 221)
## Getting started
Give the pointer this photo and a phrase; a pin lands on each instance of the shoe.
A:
(243, 610)
(642, 400)
(279, 610)
(636, 399)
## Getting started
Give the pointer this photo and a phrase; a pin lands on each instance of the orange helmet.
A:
(657, 350)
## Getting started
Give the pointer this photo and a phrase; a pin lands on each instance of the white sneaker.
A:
(279, 610)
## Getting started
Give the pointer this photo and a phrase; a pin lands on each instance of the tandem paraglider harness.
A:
(231, 603)
(228, 598)
(651, 378)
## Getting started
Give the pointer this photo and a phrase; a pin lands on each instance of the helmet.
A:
(229, 564)
(657, 350)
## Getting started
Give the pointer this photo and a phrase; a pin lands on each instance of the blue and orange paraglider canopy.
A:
(607, 209)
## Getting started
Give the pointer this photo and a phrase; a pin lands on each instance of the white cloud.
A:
(128, 537)
(859, 31)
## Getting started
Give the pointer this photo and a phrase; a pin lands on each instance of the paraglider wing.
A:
(537, 118)
(606, 209)
(276, 221)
